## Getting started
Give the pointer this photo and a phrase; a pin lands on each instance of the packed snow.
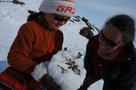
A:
(66, 67)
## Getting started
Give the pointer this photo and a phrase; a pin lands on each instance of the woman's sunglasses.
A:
(107, 41)
(60, 18)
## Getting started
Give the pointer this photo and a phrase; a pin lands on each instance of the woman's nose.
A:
(104, 46)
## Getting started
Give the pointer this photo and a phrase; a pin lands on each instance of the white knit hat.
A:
(60, 7)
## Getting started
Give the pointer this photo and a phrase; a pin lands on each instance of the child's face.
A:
(56, 21)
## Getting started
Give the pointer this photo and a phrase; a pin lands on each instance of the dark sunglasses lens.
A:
(107, 41)
(111, 43)
(60, 18)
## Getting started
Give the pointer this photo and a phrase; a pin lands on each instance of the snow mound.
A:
(67, 69)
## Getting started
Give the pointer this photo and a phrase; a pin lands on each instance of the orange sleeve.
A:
(19, 54)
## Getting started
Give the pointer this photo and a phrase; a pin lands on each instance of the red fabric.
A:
(51, 48)
(12, 82)
(95, 59)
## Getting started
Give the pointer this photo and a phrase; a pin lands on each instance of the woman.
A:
(37, 41)
(111, 55)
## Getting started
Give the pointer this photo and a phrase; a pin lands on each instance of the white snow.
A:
(66, 67)
(67, 78)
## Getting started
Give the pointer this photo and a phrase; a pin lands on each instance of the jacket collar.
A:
(43, 23)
